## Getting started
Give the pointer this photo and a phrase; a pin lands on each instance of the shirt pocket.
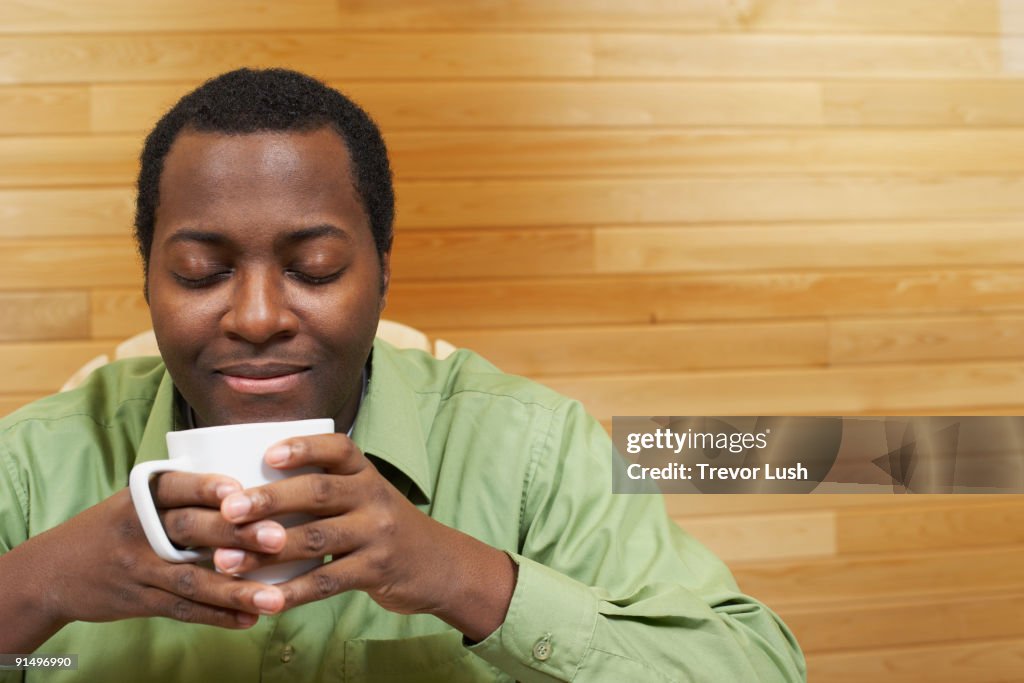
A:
(438, 657)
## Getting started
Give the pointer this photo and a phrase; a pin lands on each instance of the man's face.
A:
(265, 286)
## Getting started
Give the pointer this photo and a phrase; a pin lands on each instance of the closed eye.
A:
(199, 283)
(308, 279)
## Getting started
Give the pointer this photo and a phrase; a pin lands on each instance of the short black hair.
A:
(254, 100)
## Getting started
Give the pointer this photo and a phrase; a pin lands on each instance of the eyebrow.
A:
(301, 235)
(312, 233)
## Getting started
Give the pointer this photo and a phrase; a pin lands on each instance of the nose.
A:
(259, 310)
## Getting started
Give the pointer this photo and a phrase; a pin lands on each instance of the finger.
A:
(337, 536)
(318, 584)
(336, 453)
(200, 527)
(162, 603)
(322, 495)
(199, 585)
(179, 489)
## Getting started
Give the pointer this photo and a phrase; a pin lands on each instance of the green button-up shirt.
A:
(608, 588)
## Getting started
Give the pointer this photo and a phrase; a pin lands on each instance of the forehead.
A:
(258, 180)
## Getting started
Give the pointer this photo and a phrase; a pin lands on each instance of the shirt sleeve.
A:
(610, 589)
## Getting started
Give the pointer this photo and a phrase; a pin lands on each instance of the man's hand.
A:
(98, 566)
(380, 543)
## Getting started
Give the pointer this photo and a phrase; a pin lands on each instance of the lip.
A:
(263, 378)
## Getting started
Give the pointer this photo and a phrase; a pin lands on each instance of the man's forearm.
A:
(482, 584)
(23, 610)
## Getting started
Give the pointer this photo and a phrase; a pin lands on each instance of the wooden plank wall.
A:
(698, 207)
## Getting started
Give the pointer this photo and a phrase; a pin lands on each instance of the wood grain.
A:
(986, 661)
(900, 622)
(585, 350)
(746, 538)
(41, 110)
(36, 316)
(892, 576)
(67, 212)
(517, 203)
(42, 367)
(465, 155)
(806, 246)
(973, 336)
(815, 16)
(951, 526)
(704, 297)
(466, 105)
(892, 390)
(69, 263)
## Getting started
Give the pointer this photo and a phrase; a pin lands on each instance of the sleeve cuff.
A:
(548, 628)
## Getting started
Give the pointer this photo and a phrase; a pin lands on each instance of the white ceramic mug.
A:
(236, 451)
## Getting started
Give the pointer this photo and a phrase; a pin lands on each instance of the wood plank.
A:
(748, 538)
(69, 160)
(66, 212)
(589, 202)
(65, 264)
(987, 661)
(429, 254)
(864, 16)
(446, 105)
(690, 506)
(923, 103)
(894, 576)
(112, 159)
(681, 298)
(666, 249)
(86, 58)
(118, 313)
(825, 57)
(886, 389)
(35, 110)
(644, 348)
(105, 16)
(35, 316)
(111, 58)
(973, 336)
(895, 622)
(42, 367)
(518, 203)
(637, 152)
(11, 402)
(953, 526)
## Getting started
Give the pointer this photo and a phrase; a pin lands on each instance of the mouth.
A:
(262, 378)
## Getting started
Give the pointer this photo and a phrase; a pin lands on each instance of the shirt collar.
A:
(389, 425)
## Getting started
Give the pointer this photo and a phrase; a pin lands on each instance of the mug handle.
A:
(142, 497)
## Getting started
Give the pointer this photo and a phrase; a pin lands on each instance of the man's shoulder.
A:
(112, 393)
(467, 375)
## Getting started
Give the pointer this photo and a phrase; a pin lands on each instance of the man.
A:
(469, 518)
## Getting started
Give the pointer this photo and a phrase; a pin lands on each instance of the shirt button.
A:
(542, 648)
(287, 652)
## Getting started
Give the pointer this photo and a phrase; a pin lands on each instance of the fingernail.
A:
(224, 490)
(236, 506)
(229, 559)
(278, 455)
(270, 536)
(245, 620)
(268, 601)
